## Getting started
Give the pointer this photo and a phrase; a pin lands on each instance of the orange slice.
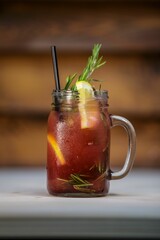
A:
(56, 148)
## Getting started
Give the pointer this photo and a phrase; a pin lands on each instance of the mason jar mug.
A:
(78, 145)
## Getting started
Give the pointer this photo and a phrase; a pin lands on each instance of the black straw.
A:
(55, 68)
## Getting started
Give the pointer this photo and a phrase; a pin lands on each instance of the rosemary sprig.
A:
(78, 179)
(78, 182)
(94, 62)
(69, 81)
(99, 166)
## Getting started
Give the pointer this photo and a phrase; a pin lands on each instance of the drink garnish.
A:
(84, 87)
(56, 148)
(94, 62)
(79, 183)
(85, 90)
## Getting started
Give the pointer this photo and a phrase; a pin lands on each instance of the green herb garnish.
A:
(69, 81)
(94, 62)
(78, 182)
(99, 166)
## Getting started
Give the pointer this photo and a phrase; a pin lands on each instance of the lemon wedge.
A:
(85, 90)
(85, 93)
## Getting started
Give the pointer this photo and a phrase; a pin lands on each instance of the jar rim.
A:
(68, 97)
(71, 92)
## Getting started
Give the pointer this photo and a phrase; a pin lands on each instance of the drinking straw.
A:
(55, 68)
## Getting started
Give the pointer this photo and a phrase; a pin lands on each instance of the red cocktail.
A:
(78, 147)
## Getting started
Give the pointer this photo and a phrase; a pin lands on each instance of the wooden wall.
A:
(130, 35)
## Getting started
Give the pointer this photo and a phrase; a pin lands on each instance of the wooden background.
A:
(130, 35)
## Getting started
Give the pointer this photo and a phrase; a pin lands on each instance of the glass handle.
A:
(123, 122)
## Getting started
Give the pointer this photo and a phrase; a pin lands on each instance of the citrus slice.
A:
(85, 90)
(56, 148)
(85, 93)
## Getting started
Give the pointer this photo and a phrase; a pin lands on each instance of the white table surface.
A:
(131, 209)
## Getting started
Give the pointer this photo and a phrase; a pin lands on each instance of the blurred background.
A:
(129, 32)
